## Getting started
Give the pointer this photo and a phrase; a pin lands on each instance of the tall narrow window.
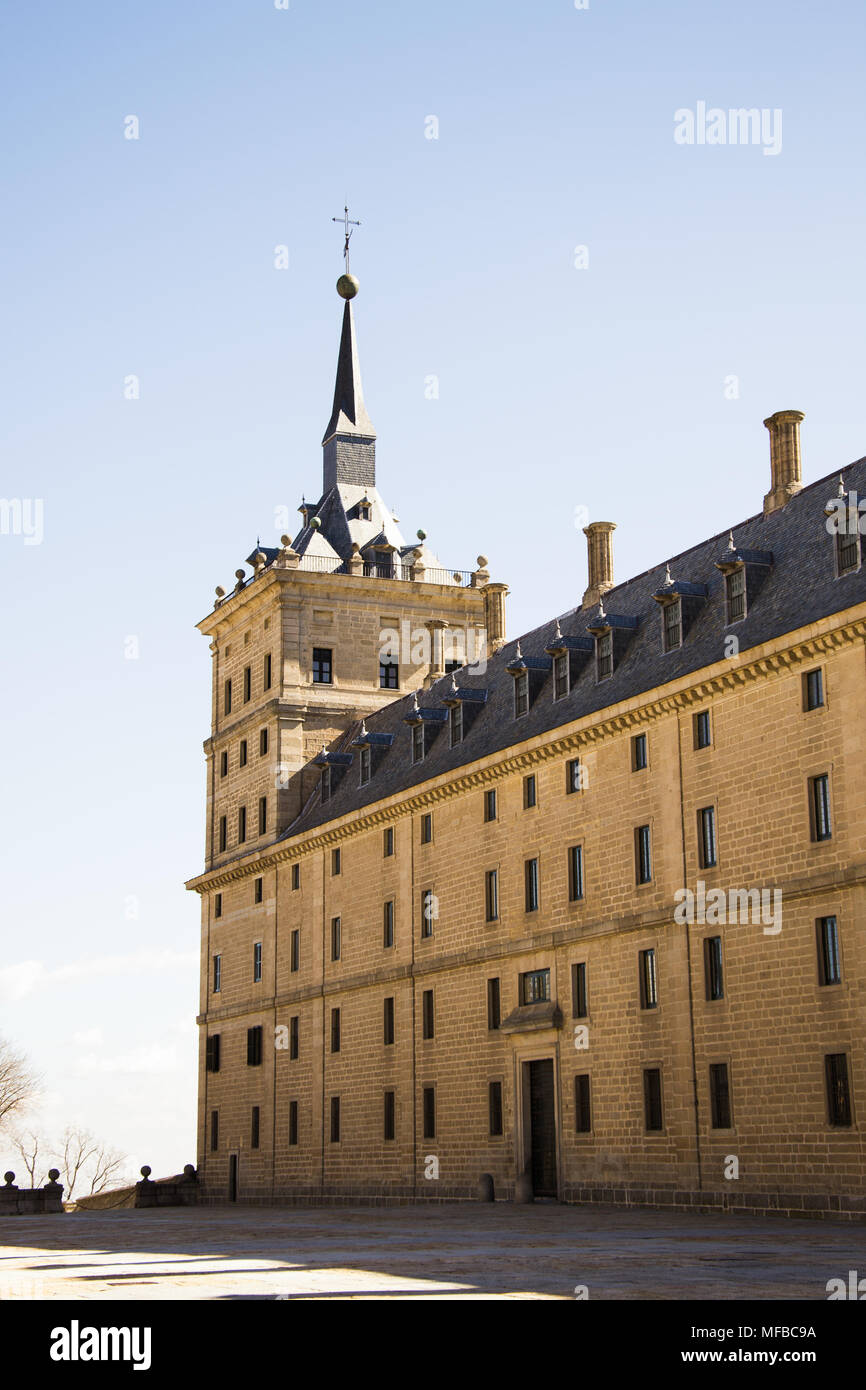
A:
(707, 837)
(429, 1109)
(604, 656)
(530, 874)
(427, 828)
(242, 824)
(242, 753)
(296, 877)
(248, 684)
(365, 764)
(263, 815)
(494, 1106)
(336, 862)
(649, 997)
(257, 963)
(838, 1093)
(224, 834)
(530, 792)
(575, 873)
(579, 1003)
(813, 689)
(494, 1013)
(389, 1116)
(573, 775)
(417, 743)
(336, 934)
(335, 1119)
(227, 697)
(388, 1022)
(521, 694)
(325, 782)
(335, 1030)
(267, 672)
(388, 924)
(293, 1122)
(652, 1096)
(389, 675)
(490, 804)
(582, 1109)
(217, 974)
(254, 1046)
(847, 551)
(819, 801)
(638, 753)
(294, 1038)
(713, 978)
(560, 676)
(212, 1053)
(702, 736)
(720, 1096)
(263, 742)
(829, 962)
(254, 1127)
(428, 912)
(642, 854)
(388, 842)
(491, 894)
(672, 629)
(224, 764)
(295, 950)
(214, 1130)
(323, 671)
(735, 595)
(427, 1014)
(218, 905)
(455, 720)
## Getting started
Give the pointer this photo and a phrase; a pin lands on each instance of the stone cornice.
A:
(777, 657)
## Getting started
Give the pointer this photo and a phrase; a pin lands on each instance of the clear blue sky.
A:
(559, 388)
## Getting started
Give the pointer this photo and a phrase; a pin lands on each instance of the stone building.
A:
(582, 912)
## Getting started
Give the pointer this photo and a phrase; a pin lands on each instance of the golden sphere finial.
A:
(347, 286)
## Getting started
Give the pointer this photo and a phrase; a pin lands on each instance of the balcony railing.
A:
(397, 569)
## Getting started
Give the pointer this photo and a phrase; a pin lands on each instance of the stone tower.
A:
(326, 629)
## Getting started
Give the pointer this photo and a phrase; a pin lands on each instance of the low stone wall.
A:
(181, 1190)
(31, 1201)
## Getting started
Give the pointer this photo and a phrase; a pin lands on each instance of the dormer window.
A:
(326, 783)
(560, 676)
(521, 694)
(672, 631)
(604, 656)
(365, 762)
(847, 552)
(364, 509)
(735, 594)
(455, 721)
(417, 743)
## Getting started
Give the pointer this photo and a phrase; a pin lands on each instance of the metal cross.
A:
(347, 223)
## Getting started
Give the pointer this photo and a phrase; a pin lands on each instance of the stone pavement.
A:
(449, 1251)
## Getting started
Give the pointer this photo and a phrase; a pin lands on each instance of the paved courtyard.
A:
(451, 1252)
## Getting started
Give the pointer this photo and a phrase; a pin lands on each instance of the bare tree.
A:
(29, 1146)
(19, 1084)
(85, 1159)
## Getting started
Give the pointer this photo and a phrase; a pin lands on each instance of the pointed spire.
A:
(349, 441)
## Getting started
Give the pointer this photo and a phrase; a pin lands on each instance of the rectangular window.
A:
(336, 934)
(325, 783)
(388, 924)
(604, 656)
(248, 684)
(649, 996)
(254, 1046)
(819, 801)
(560, 676)
(255, 1123)
(224, 764)
(652, 1099)
(293, 1122)
(242, 753)
(388, 1022)
(429, 1107)
(582, 1110)
(494, 1015)
(227, 697)
(323, 671)
(335, 1030)
(573, 775)
(642, 854)
(212, 1053)
(735, 594)
(638, 753)
(530, 875)
(336, 862)
(813, 689)
(365, 763)
(224, 834)
(294, 1038)
(335, 1119)
(217, 974)
(296, 877)
(494, 1105)
(847, 551)
(428, 912)
(214, 1130)
(535, 987)
(579, 1003)
(263, 815)
(388, 842)
(417, 743)
(218, 905)
(530, 792)
(720, 1096)
(455, 721)
(427, 1014)
(242, 824)
(490, 805)
(707, 837)
(263, 742)
(389, 675)
(389, 1116)
(521, 694)
(491, 895)
(267, 672)
(672, 625)
(838, 1093)
(713, 977)
(257, 963)
(427, 828)
(829, 962)
(295, 950)
(575, 873)
(702, 735)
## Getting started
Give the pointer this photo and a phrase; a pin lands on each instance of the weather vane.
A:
(347, 225)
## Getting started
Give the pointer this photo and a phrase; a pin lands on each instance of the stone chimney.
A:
(599, 554)
(494, 615)
(785, 466)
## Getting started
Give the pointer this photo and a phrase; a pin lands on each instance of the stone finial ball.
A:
(285, 540)
(239, 574)
(54, 1174)
(316, 524)
(10, 1178)
(347, 287)
(220, 591)
(482, 564)
(422, 535)
(189, 1170)
(145, 1171)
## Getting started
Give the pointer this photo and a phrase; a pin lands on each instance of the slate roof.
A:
(800, 588)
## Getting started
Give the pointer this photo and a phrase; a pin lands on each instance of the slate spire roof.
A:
(349, 413)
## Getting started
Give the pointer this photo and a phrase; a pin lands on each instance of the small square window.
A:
(530, 792)
(323, 670)
(813, 689)
(427, 828)
(638, 753)
(490, 805)
(702, 732)
(535, 987)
